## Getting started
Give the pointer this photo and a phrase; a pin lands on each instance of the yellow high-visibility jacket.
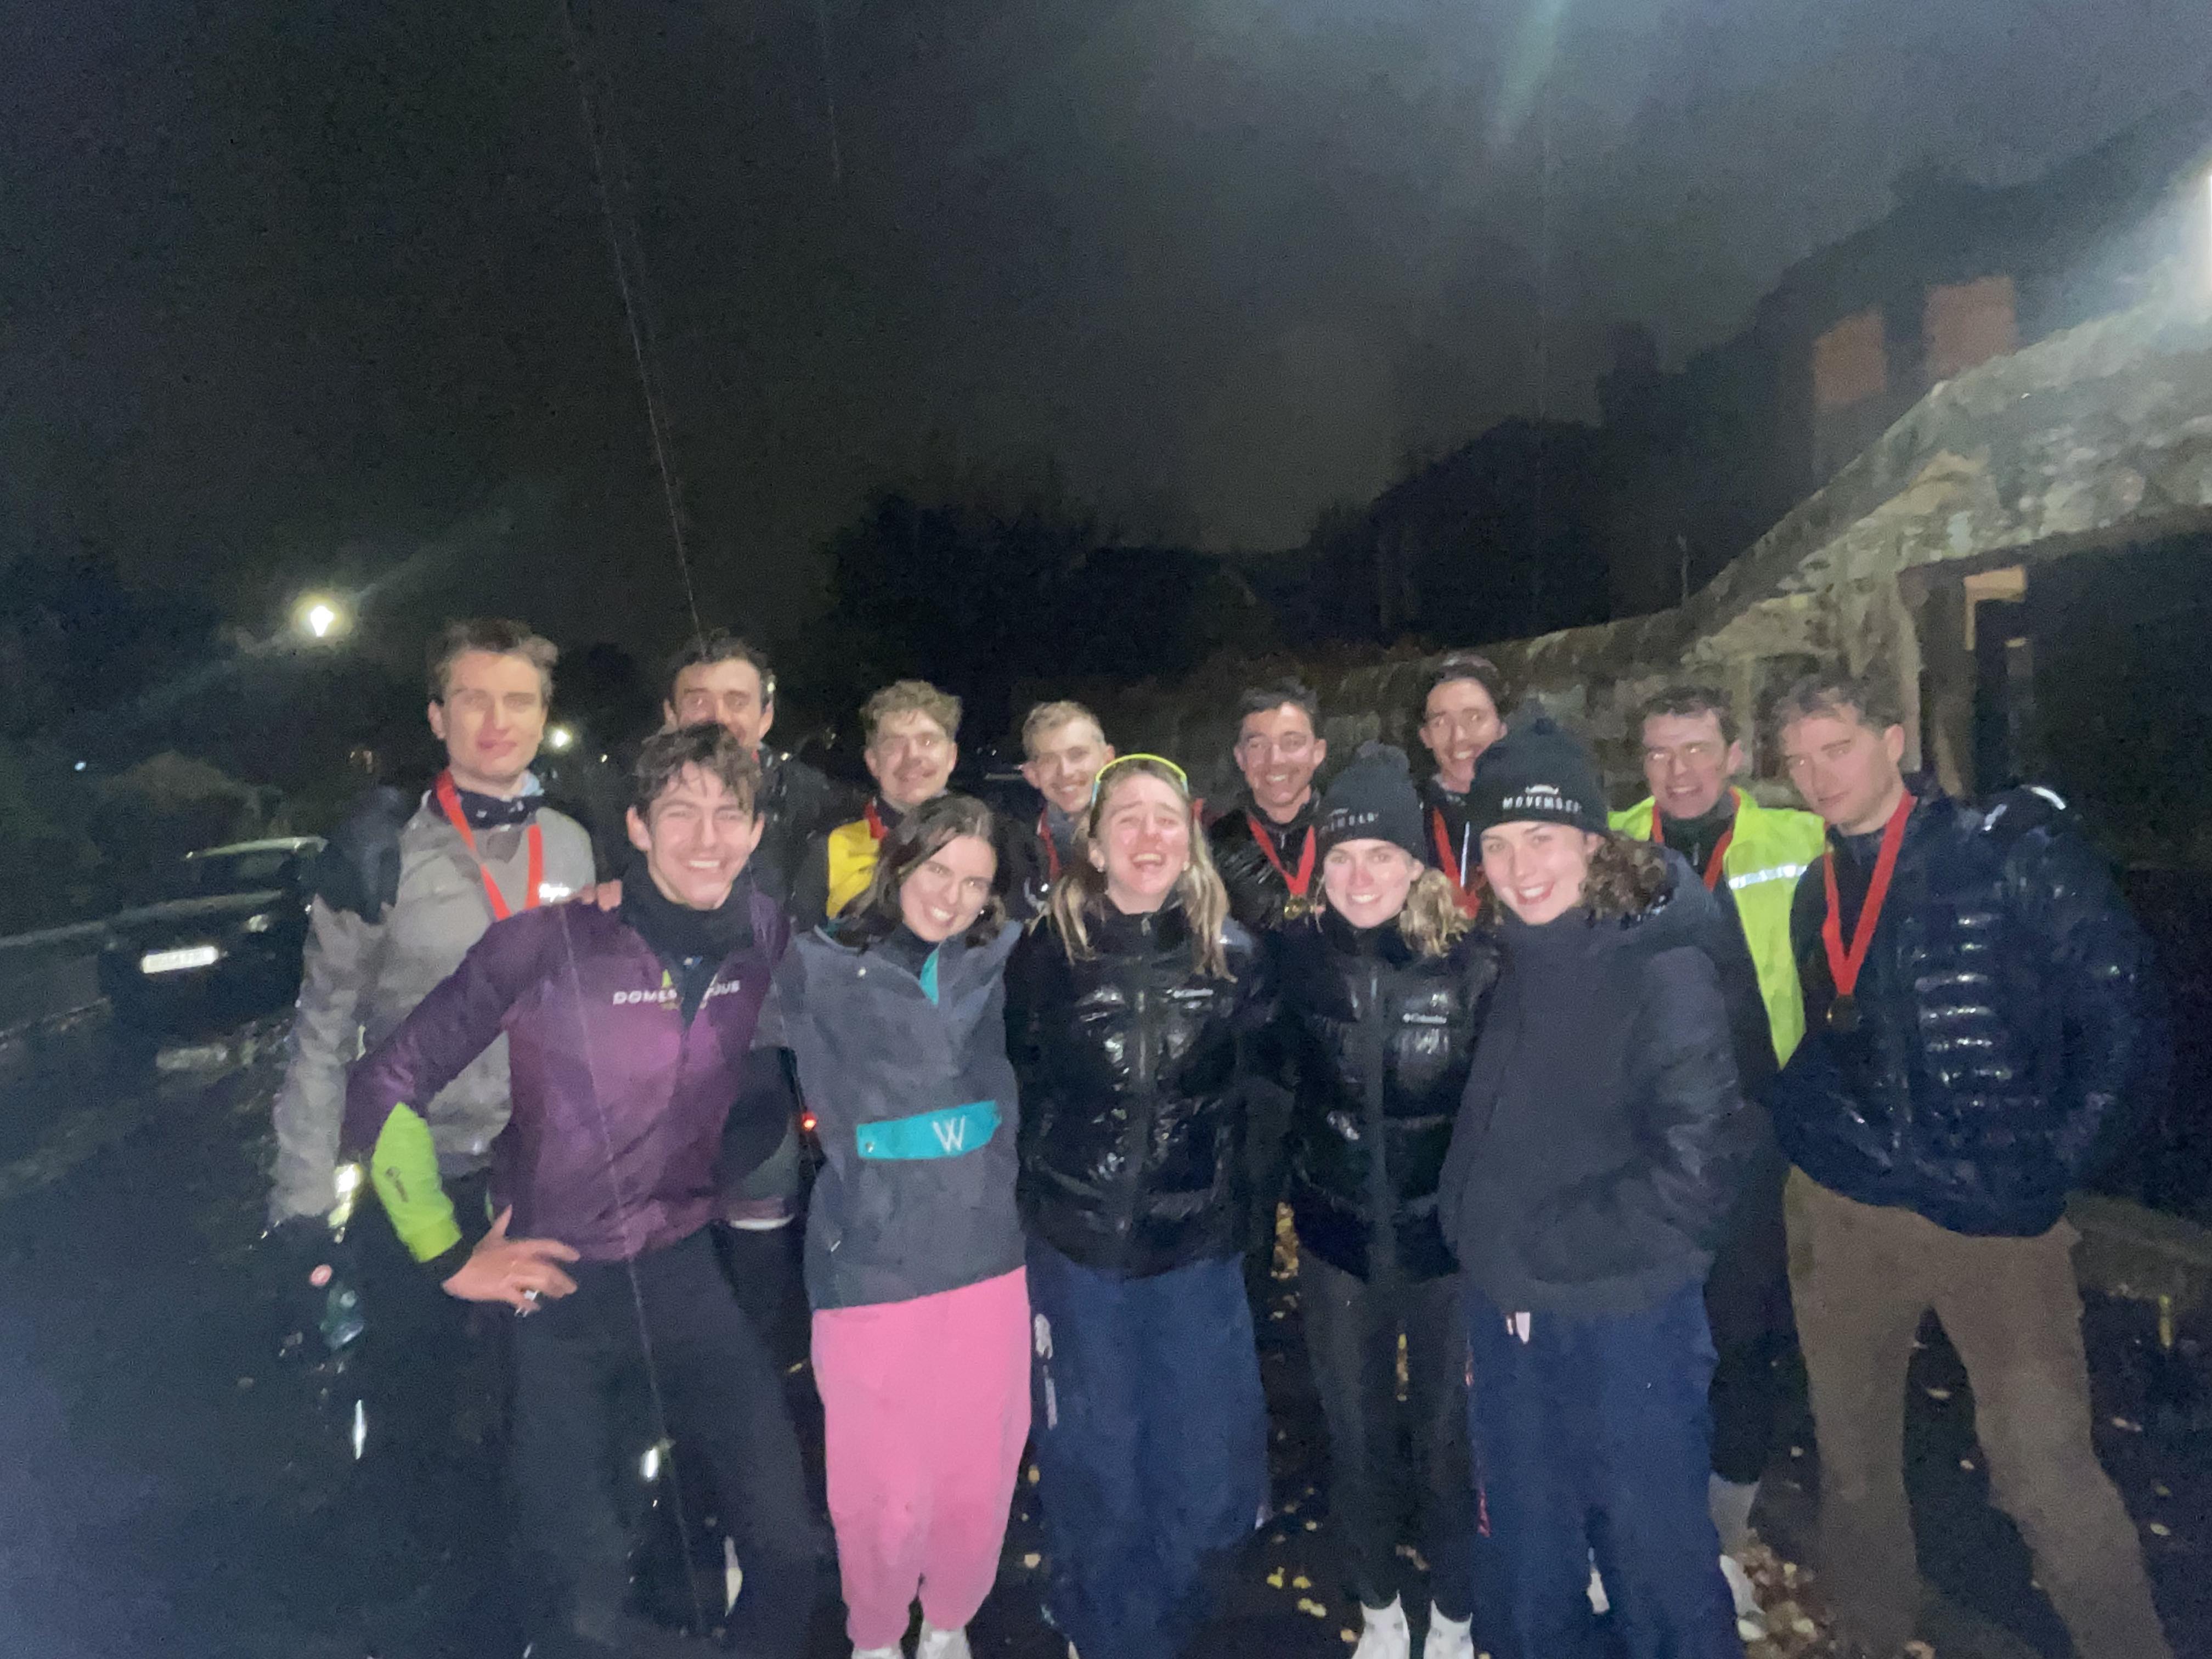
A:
(1772, 846)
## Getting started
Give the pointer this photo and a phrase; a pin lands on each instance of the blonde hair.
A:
(1433, 922)
(1050, 717)
(1430, 920)
(911, 697)
(1080, 892)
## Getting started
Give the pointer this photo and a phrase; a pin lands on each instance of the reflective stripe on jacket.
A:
(1771, 847)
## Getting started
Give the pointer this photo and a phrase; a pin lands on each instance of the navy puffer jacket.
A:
(1133, 1068)
(2009, 1022)
(1381, 1038)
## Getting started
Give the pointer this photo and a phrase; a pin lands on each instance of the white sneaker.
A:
(880, 1653)
(1750, 1617)
(1448, 1639)
(1387, 1636)
(937, 1643)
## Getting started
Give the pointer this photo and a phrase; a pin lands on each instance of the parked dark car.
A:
(225, 946)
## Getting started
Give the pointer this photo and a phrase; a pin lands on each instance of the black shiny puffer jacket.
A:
(1257, 890)
(2009, 1022)
(1380, 1038)
(1132, 1068)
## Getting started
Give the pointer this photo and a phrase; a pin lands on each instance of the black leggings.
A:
(1748, 1304)
(576, 1359)
(1352, 1331)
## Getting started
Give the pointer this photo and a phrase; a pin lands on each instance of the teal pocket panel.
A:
(948, 1133)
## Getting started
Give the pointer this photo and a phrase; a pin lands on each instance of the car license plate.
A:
(169, 962)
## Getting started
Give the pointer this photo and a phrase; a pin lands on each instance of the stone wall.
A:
(2095, 438)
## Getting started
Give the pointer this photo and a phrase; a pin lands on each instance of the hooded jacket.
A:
(622, 1095)
(1130, 1062)
(1604, 1136)
(905, 1068)
(399, 902)
(1380, 1038)
(2010, 1022)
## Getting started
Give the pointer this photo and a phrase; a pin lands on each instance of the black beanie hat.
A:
(1536, 773)
(1372, 800)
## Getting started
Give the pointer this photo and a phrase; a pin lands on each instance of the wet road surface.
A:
(172, 1488)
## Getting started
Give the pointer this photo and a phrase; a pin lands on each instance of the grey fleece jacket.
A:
(360, 978)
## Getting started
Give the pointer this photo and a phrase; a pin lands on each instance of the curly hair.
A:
(1081, 893)
(911, 697)
(708, 746)
(1626, 877)
(1433, 922)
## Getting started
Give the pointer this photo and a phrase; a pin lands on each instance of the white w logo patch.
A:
(952, 1136)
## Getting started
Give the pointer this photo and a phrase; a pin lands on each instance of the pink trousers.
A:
(926, 1407)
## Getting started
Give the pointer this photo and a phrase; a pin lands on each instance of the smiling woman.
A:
(1602, 1142)
(1129, 1013)
(893, 1015)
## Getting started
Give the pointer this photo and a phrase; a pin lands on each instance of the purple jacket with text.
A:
(619, 1103)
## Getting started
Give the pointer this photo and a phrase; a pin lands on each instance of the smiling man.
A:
(1462, 715)
(1063, 746)
(1268, 856)
(1750, 857)
(912, 730)
(723, 678)
(632, 1031)
(1982, 1019)
(1266, 850)
(401, 893)
(400, 898)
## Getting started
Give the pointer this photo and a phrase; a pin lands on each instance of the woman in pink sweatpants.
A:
(896, 1017)
(925, 1405)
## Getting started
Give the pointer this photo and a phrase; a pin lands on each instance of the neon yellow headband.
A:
(1098, 782)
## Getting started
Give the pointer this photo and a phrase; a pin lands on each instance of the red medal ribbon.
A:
(875, 821)
(1720, 851)
(1843, 965)
(1720, 846)
(449, 803)
(1470, 900)
(1303, 879)
(1051, 853)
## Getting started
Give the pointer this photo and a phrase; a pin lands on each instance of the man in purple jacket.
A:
(629, 1033)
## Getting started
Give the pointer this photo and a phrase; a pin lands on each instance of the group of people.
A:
(1567, 1109)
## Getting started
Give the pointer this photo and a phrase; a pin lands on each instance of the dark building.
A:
(1698, 465)
(1496, 540)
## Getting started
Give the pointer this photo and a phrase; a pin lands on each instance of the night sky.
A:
(321, 287)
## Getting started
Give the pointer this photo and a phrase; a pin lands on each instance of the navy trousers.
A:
(1152, 1445)
(1594, 1436)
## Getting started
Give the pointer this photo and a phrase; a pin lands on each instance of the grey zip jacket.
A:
(915, 1105)
(361, 977)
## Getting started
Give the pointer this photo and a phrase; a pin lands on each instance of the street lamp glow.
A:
(319, 618)
(560, 738)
